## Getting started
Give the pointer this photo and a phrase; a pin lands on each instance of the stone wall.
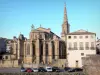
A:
(60, 63)
(9, 63)
(46, 73)
(92, 64)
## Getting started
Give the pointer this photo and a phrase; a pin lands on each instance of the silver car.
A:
(35, 69)
(48, 68)
(23, 69)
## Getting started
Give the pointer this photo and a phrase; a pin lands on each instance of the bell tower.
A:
(65, 25)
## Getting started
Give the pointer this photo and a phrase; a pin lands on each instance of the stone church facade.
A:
(43, 46)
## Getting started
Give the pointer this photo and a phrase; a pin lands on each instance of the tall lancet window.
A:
(46, 53)
(28, 49)
(53, 50)
(46, 49)
(62, 50)
(33, 48)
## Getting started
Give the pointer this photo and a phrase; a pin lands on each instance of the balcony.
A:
(70, 48)
(75, 48)
(81, 48)
(92, 48)
(87, 48)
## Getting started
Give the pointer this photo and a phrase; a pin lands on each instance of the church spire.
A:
(65, 25)
(65, 13)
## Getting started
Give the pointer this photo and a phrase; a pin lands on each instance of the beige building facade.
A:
(42, 47)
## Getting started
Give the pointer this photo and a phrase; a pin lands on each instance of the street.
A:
(9, 70)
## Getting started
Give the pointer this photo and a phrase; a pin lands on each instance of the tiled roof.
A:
(80, 32)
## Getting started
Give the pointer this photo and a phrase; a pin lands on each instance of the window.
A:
(62, 50)
(40, 35)
(76, 60)
(46, 50)
(28, 49)
(70, 46)
(34, 52)
(75, 45)
(77, 64)
(82, 54)
(35, 36)
(86, 36)
(80, 37)
(6, 57)
(53, 50)
(69, 37)
(75, 37)
(87, 45)
(81, 46)
(92, 46)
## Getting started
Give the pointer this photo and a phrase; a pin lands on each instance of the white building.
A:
(80, 44)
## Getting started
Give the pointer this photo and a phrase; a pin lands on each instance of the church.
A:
(42, 47)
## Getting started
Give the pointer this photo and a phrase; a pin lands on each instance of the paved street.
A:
(9, 70)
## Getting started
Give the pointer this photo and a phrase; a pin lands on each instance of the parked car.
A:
(41, 69)
(49, 69)
(75, 70)
(23, 69)
(35, 69)
(66, 68)
(55, 69)
(29, 70)
(62, 70)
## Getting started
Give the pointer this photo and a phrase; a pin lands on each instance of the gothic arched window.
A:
(33, 49)
(28, 49)
(46, 50)
(53, 50)
(62, 50)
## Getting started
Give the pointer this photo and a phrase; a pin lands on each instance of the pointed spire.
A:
(65, 13)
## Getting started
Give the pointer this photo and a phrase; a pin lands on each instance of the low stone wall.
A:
(31, 65)
(45, 73)
(92, 65)
(60, 63)
(9, 63)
